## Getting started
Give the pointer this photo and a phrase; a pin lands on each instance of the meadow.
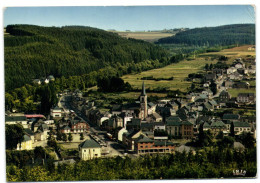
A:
(146, 36)
(181, 70)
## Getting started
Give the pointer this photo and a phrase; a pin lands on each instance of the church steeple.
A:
(143, 90)
(143, 104)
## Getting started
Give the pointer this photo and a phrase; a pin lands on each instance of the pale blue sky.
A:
(131, 17)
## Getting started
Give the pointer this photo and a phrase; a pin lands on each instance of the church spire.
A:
(143, 90)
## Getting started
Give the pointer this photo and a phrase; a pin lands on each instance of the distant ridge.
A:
(211, 36)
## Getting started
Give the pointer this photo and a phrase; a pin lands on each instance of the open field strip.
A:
(179, 71)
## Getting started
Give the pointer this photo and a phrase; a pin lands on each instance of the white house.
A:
(89, 149)
(240, 127)
(231, 70)
(56, 112)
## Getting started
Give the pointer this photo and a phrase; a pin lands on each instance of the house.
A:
(239, 65)
(208, 93)
(159, 126)
(11, 120)
(206, 126)
(240, 127)
(231, 70)
(246, 98)
(26, 143)
(228, 84)
(145, 145)
(224, 97)
(51, 78)
(217, 126)
(235, 76)
(46, 80)
(89, 149)
(29, 133)
(242, 71)
(134, 124)
(130, 137)
(151, 108)
(147, 127)
(241, 85)
(210, 76)
(42, 132)
(230, 117)
(157, 117)
(65, 129)
(56, 112)
(218, 71)
(79, 126)
(37, 81)
(251, 48)
(186, 129)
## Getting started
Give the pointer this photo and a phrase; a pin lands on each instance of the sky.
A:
(134, 18)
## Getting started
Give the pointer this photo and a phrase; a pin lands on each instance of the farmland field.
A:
(146, 36)
(181, 70)
(234, 91)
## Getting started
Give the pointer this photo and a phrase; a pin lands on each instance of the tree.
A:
(59, 135)
(210, 66)
(232, 130)
(14, 134)
(81, 136)
(39, 152)
(207, 67)
(192, 87)
(64, 137)
(70, 138)
(248, 140)
(220, 135)
(213, 87)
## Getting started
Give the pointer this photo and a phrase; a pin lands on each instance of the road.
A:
(113, 147)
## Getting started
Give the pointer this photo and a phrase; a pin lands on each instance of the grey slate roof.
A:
(218, 124)
(173, 121)
(143, 138)
(89, 144)
(230, 116)
(241, 124)
(15, 118)
(28, 131)
(26, 138)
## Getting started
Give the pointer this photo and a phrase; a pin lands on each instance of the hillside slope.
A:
(35, 52)
(211, 36)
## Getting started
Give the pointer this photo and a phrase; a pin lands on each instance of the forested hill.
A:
(211, 36)
(34, 52)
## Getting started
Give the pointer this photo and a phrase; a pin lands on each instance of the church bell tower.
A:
(143, 103)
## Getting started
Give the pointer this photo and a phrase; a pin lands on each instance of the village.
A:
(143, 127)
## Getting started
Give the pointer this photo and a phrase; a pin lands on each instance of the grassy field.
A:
(181, 70)
(146, 36)
(232, 53)
(234, 91)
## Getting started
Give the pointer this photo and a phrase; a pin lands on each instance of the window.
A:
(93, 150)
(85, 151)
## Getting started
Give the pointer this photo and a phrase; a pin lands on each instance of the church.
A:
(138, 109)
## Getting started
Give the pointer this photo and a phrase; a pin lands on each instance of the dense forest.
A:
(211, 36)
(34, 52)
(204, 163)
